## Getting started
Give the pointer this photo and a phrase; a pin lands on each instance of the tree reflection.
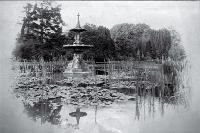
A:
(45, 111)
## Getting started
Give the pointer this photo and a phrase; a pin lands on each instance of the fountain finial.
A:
(78, 23)
(78, 28)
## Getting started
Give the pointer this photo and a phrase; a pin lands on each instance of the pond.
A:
(32, 103)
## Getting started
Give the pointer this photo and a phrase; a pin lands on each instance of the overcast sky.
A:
(178, 15)
(182, 16)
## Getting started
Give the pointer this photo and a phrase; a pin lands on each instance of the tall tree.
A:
(42, 29)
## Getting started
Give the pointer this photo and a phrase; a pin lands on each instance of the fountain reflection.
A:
(78, 114)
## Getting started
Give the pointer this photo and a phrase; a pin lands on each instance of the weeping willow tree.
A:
(158, 43)
(176, 52)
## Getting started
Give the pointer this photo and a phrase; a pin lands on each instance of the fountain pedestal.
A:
(77, 67)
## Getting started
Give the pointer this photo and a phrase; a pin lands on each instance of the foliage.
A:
(127, 38)
(176, 51)
(41, 32)
(41, 36)
(159, 43)
(140, 41)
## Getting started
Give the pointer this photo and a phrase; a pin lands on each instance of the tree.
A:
(176, 52)
(41, 30)
(131, 38)
(128, 39)
(160, 41)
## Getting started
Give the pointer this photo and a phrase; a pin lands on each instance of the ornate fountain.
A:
(77, 66)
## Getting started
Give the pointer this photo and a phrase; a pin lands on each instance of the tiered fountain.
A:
(77, 67)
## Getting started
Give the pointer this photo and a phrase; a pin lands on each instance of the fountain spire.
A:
(78, 26)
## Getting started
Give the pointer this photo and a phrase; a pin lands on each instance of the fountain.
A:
(77, 67)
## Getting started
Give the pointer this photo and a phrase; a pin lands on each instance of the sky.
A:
(180, 15)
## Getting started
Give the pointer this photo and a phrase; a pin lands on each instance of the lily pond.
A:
(117, 97)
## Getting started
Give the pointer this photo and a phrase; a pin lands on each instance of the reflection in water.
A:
(44, 110)
(137, 111)
(95, 114)
(78, 114)
(46, 95)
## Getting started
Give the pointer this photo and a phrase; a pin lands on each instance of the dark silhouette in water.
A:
(45, 111)
(78, 114)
